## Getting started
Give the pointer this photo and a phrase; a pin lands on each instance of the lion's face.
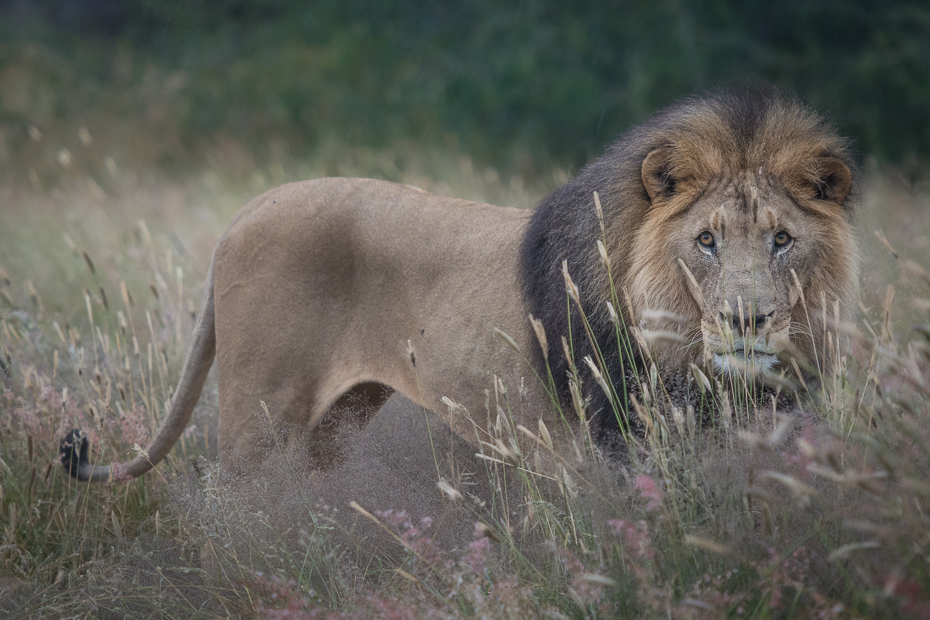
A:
(741, 259)
(735, 248)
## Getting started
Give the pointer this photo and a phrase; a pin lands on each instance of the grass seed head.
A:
(700, 378)
(540, 336)
(797, 284)
(602, 252)
(411, 354)
(614, 317)
(449, 490)
(506, 338)
(706, 544)
(544, 433)
(692, 283)
(570, 287)
(598, 377)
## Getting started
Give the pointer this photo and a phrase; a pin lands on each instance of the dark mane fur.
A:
(565, 225)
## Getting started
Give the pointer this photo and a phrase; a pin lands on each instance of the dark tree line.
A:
(558, 79)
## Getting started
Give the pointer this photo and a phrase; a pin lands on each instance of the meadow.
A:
(819, 510)
(820, 513)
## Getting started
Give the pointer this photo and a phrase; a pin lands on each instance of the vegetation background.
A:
(131, 131)
(513, 85)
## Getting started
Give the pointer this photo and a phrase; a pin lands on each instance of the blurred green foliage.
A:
(511, 83)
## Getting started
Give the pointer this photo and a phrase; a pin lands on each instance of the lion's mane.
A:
(715, 135)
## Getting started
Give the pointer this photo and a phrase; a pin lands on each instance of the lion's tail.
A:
(74, 447)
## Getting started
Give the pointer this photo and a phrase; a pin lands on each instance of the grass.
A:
(818, 514)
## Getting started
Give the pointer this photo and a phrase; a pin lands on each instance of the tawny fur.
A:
(325, 296)
(694, 168)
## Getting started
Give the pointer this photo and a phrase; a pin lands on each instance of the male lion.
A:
(325, 296)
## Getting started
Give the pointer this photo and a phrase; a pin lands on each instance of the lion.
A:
(724, 220)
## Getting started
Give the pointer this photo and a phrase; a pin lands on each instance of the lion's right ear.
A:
(657, 176)
(832, 179)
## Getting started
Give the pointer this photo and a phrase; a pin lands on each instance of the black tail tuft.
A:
(73, 451)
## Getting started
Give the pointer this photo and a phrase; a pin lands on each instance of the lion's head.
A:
(727, 220)
(743, 206)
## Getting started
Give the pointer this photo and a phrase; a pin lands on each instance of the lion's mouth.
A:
(758, 356)
(736, 354)
(739, 361)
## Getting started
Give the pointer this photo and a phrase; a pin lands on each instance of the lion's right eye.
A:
(782, 239)
(706, 239)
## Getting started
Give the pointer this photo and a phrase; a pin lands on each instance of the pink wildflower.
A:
(635, 538)
(650, 491)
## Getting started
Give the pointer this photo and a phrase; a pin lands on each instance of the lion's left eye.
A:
(782, 239)
(707, 240)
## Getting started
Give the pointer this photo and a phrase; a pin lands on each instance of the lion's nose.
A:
(750, 322)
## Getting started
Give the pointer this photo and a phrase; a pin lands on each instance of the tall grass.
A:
(770, 510)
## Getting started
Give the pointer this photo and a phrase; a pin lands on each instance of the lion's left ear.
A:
(832, 179)
(657, 173)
